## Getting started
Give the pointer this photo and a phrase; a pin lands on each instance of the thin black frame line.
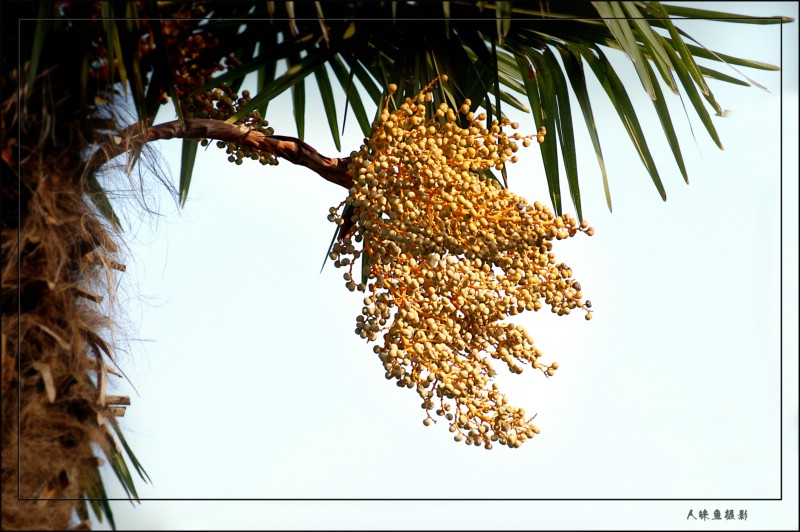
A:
(780, 255)
(411, 19)
(19, 310)
(396, 499)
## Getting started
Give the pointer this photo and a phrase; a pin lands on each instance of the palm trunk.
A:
(57, 284)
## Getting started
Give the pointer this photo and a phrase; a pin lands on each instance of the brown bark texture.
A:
(333, 169)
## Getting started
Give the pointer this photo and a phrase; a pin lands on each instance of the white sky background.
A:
(252, 384)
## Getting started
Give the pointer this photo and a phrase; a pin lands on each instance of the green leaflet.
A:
(353, 98)
(266, 75)
(563, 123)
(653, 46)
(574, 68)
(715, 74)
(188, 156)
(98, 196)
(696, 100)
(666, 125)
(539, 90)
(132, 457)
(614, 18)
(683, 51)
(292, 76)
(364, 267)
(39, 36)
(619, 98)
(503, 13)
(299, 99)
(97, 498)
(329, 103)
(375, 92)
(691, 12)
(705, 53)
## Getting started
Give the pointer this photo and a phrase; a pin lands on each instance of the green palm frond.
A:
(489, 52)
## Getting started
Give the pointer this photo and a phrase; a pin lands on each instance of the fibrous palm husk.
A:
(58, 278)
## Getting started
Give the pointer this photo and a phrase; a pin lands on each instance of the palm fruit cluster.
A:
(447, 254)
(221, 103)
(194, 64)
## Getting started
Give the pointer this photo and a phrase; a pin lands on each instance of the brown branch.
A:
(294, 150)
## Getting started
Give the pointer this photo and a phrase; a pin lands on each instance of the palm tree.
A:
(57, 110)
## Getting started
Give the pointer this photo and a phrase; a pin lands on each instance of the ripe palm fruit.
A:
(451, 253)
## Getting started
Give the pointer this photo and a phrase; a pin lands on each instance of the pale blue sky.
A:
(252, 383)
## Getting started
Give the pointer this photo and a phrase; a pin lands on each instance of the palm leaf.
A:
(299, 99)
(715, 74)
(705, 53)
(619, 98)
(692, 12)
(328, 102)
(288, 79)
(330, 248)
(345, 79)
(474, 51)
(686, 56)
(98, 196)
(666, 124)
(128, 451)
(566, 136)
(266, 70)
(503, 12)
(694, 97)
(373, 89)
(114, 47)
(613, 16)
(267, 58)
(574, 69)
(97, 498)
(472, 64)
(39, 36)
(364, 267)
(538, 90)
(508, 71)
(188, 156)
(120, 469)
(652, 45)
(240, 54)
(444, 88)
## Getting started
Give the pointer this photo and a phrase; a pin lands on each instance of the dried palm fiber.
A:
(59, 262)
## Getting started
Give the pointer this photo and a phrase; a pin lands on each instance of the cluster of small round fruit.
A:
(192, 58)
(221, 103)
(450, 254)
(195, 64)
